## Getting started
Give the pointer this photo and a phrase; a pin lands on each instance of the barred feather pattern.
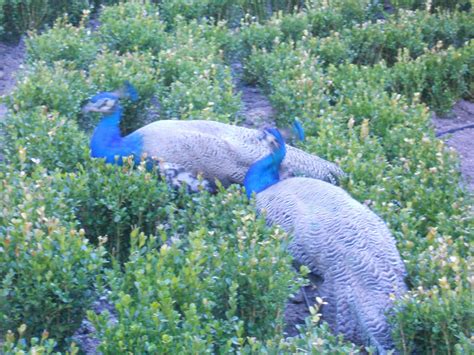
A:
(346, 244)
(176, 177)
(224, 152)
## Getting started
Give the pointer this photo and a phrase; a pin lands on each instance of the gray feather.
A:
(224, 152)
(346, 244)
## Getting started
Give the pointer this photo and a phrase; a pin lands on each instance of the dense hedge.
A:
(27, 15)
(203, 272)
(47, 266)
(436, 70)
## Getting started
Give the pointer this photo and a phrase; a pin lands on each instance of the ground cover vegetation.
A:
(202, 272)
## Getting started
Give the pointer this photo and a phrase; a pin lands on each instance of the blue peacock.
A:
(211, 149)
(340, 240)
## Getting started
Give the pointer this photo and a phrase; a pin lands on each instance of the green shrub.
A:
(468, 53)
(132, 26)
(38, 137)
(259, 66)
(324, 19)
(254, 34)
(209, 95)
(331, 50)
(445, 83)
(2, 17)
(347, 79)
(110, 71)
(438, 78)
(57, 87)
(76, 45)
(109, 201)
(175, 10)
(314, 339)
(26, 15)
(318, 20)
(36, 346)
(223, 279)
(47, 267)
(383, 114)
(295, 81)
(215, 37)
(442, 77)
(450, 28)
(198, 85)
(193, 50)
(439, 317)
(369, 43)
(172, 10)
(433, 5)
(293, 26)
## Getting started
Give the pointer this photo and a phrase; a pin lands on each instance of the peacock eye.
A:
(105, 103)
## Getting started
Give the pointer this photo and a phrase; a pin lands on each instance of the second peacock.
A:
(338, 239)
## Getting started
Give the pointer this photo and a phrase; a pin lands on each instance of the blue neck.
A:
(108, 143)
(265, 172)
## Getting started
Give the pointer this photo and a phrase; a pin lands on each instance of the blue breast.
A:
(108, 143)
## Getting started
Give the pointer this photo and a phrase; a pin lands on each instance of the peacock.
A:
(211, 149)
(340, 240)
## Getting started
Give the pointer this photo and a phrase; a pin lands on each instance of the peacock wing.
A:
(195, 151)
(300, 163)
(346, 243)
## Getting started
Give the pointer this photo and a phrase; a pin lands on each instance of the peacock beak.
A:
(90, 107)
(270, 139)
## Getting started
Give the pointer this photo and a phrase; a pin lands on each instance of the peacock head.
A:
(274, 139)
(128, 91)
(295, 132)
(108, 102)
(104, 102)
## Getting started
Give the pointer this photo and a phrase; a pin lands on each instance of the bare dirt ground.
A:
(457, 129)
(11, 57)
(256, 110)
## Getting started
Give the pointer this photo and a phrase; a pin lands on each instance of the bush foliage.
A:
(131, 26)
(203, 272)
(229, 281)
(27, 15)
(48, 267)
(73, 44)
